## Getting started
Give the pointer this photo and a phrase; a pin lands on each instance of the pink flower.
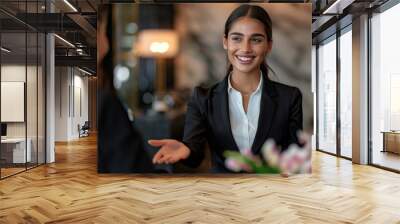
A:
(233, 165)
(270, 153)
(247, 152)
(246, 167)
(304, 138)
(295, 160)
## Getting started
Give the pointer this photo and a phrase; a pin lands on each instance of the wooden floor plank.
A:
(71, 191)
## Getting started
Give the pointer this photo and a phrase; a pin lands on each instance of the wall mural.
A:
(202, 59)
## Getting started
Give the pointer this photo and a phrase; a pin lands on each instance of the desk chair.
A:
(84, 130)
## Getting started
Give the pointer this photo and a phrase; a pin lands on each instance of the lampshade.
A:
(156, 43)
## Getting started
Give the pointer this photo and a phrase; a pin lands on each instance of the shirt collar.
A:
(230, 87)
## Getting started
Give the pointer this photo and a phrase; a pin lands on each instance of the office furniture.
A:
(3, 130)
(13, 150)
(391, 141)
(84, 130)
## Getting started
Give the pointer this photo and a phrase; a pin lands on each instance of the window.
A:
(385, 88)
(327, 96)
(346, 93)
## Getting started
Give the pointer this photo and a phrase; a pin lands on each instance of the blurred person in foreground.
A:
(120, 146)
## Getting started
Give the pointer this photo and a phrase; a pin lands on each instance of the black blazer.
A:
(120, 147)
(207, 120)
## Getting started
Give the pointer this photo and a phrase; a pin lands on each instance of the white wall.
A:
(71, 94)
(61, 103)
(13, 73)
(33, 126)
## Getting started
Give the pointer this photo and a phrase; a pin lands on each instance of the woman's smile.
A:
(245, 59)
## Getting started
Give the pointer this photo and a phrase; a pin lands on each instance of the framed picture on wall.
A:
(12, 101)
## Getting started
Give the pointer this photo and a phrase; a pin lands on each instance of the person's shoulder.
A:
(204, 93)
(203, 96)
(287, 93)
(201, 91)
(284, 88)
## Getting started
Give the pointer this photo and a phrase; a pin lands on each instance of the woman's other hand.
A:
(171, 151)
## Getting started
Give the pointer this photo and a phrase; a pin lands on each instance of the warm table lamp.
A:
(159, 44)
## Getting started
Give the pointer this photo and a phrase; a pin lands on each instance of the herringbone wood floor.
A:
(70, 191)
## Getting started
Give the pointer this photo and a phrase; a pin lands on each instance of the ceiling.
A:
(76, 22)
(73, 20)
(78, 27)
(331, 15)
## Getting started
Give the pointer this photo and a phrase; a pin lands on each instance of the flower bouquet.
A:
(295, 159)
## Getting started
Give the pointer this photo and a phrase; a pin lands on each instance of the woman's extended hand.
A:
(171, 151)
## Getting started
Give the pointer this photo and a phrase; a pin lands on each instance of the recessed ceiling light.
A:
(65, 41)
(70, 5)
(337, 7)
(84, 71)
(5, 50)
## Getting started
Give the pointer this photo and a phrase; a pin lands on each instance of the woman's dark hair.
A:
(255, 12)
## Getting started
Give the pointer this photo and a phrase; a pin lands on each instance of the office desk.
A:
(13, 150)
(391, 142)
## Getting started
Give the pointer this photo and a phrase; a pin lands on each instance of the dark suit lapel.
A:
(223, 114)
(268, 106)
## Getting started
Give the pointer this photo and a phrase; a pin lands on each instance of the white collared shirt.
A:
(244, 125)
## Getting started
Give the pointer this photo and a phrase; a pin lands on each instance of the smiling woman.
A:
(246, 108)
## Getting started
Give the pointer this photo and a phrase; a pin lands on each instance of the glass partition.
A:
(13, 103)
(22, 89)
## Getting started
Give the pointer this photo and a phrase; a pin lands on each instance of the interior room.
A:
(22, 102)
(58, 71)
